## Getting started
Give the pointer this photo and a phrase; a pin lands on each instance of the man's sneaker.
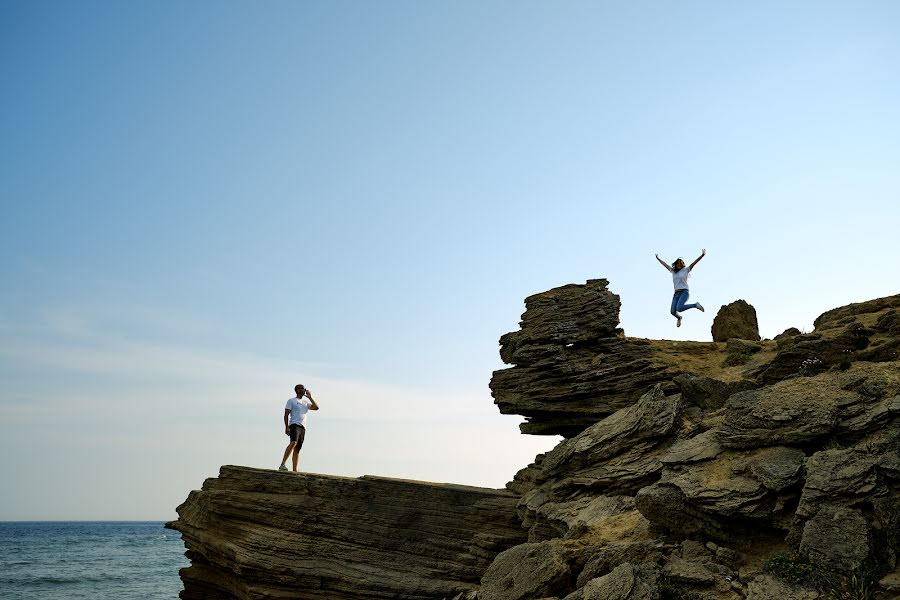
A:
(678, 324)
(282, 468)
(700, 307)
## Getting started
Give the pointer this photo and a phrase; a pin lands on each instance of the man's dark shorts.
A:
(298, 433)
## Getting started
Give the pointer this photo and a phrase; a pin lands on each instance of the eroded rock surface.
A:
(255, 533)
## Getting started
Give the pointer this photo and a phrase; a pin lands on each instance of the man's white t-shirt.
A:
(679, 278)
(298, 407)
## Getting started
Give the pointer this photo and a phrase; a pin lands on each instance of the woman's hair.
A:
(675, 264)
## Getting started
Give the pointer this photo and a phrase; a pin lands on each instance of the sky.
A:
(205, 203)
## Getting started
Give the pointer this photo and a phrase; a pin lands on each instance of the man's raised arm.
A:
(312, 406)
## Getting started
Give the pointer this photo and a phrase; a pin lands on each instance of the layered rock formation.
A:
(572, 366)
(683, 466)
(254, 533)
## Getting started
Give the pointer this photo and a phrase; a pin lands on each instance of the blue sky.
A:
(205, 203)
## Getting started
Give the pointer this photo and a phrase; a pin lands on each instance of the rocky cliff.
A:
(254, 533)
(707, 470)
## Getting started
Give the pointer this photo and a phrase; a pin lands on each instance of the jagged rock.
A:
(701, 447)
(679, 570)
(836, 315)
(709, 393)
(625, 582)
(739, 346)
(565, 315)
(798, 410)
(695, 551)
(731, 495)
(778, 467)
(527, 571)
(766, 587)
(580, 385)
(615, 455)
(787, 334)
(565, 378)
(816, 352)
(606, 558)
(549, 520)
(735, 320)
(837, 538)
(843, 477)
(254, 533)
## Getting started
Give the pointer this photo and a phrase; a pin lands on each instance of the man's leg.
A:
(287, 452)
(301, 435)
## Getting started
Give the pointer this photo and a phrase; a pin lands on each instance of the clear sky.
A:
(204, 203)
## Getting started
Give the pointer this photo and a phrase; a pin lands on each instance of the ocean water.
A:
(56, 560)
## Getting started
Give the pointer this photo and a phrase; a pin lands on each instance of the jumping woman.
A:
(680, 276)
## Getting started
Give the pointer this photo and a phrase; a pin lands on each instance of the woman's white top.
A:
(679, 278)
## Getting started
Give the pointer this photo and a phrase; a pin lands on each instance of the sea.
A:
(101, 560)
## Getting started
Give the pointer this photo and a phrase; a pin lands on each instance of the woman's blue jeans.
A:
(678, 302)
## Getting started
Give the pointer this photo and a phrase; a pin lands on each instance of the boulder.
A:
(735, 320)
(606, 558)
(837, 538)
(625, 582)
(787, 334)
(739, 346)
(565, 315)
(527, 571)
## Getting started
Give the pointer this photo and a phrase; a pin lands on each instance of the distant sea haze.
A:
(100, 560)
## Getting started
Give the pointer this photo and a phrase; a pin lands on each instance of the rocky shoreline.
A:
(708, 470)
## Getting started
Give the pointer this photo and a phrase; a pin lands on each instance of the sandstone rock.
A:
(730, 496)
(606, 558)
(843, 477)
(527, 571)
(766, 587)
(837, 538)
(679, 570)
(572, 367)
(798, 410)
(615, 455)
(739, 346)
(701, 447)
(576, 386)
(254, 534)
(692, 550)
(834, 316)
(735, 320)
(709, 393)
(565, 315)
(778, 467)
(558, 519)
(816, 352)
(625, 582)
(787, 334)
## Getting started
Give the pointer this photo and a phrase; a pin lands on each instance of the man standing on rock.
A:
(295, 423)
